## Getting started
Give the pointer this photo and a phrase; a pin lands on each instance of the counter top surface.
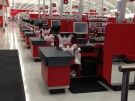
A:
(53, 56)
(37, 41)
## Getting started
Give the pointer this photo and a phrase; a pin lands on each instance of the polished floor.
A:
(31, 71)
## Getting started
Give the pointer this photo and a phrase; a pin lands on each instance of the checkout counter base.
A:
(56, 79)
(57, 91)
(34, 51)
(118, 87)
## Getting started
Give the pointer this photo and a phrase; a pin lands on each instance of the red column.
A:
(1, 15)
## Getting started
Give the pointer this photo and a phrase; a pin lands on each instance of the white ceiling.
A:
(95, 4)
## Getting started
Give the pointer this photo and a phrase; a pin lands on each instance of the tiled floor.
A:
(33, 83)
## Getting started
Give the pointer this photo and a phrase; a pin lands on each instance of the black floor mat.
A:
(11, 83)
(85, 85)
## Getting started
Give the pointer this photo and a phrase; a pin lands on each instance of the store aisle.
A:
(31, 71)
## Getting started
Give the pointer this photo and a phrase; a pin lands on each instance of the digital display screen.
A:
(36, 20)
(55, 23)
(80, 27)
(44, 22)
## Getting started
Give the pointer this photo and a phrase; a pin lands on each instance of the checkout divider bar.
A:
(125, 80)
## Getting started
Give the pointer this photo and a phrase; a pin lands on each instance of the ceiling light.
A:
(15, 4)
(21, 4)
(93, 3)
(10, 3)
(26, 6)
(31, 7)
(110, 4)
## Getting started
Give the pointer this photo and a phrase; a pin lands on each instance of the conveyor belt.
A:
(37, 41)
(53, 56)
(30, 34)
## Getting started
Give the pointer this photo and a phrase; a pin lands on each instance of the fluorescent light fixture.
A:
(27, 5)
(11, 3)
(93, 3)
(128, 10)
(15, 4)
(92, 6)
(21, 4)
(31, 7)
(110, 4)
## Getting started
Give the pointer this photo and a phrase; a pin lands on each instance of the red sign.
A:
(65, 1)
(74, 6)
(41, 8)
(54, 11)
(54, 4)
(104, 9)
(93, 11)
(46, 7)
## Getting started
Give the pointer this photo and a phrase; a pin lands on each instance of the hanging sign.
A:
(54, 4)
(74, 6)
(46, 7)
(41, 8)
(65, 1)
(93, 11)
(104, 9)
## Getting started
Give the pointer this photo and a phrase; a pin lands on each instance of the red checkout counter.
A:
(27, 36)
(23, 31)
(55, 68)
(35, 43)
(22, 27)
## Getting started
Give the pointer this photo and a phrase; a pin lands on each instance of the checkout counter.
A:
(27, 36)
(35, 43)
(55, 68)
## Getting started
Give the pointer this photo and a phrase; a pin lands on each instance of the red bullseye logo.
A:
(65, 1)
(46, 7)
(54, 5)
(104, 9)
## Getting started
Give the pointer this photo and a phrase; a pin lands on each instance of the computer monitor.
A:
(80, 27)
(32, 21)
(40, 24)
(45, 22)
(55, 23)
(36, 20)
(28, 21)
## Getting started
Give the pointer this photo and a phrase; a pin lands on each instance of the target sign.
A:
(104, 9)
(65, 1)
(41, 8)
(46, 7)
(54, 4)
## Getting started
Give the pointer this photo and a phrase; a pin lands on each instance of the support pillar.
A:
(61, 10)
(44, 9)
(102, 6)
(122, 10)
(89, 9)
(80, 10)
(2, 17)
(51, 13)
(38, 9)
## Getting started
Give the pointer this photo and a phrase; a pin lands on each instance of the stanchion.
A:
(125, 80)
